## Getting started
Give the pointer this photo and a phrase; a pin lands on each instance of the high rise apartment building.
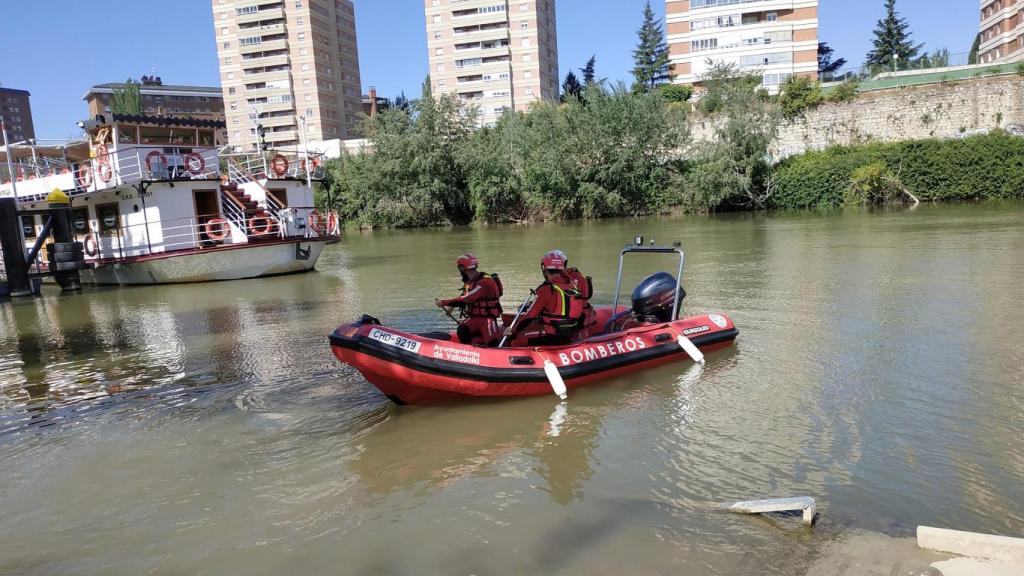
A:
(16, 114)
(1002, 31)
(500, 55)
(285, 61)
(775, 38)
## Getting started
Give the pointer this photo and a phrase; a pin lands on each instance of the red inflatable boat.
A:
(433, 368)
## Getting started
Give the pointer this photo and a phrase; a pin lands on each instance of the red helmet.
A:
(467, 261)
(554, 260)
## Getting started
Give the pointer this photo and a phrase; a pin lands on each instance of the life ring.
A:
(106, 171)
(316, 222)
(267, 229)
(84, 175)
(219, 233)
(92, 248)
(279, 165)
(194, 163)
(155, 154)
(332, 222)
(314, 161)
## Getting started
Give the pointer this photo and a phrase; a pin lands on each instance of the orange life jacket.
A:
(489, 307)
(569, 310)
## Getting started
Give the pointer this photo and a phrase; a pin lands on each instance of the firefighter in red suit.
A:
(585, 286)
(557, 313)
(480, 302)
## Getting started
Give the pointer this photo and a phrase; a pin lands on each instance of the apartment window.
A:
(231, 90)
(246, 10)
(300, 21)
(249, 41)
(234, 121)
(237, 135)
(527, 75)
(231, 75)
(524, 7)
(529, 91)
(223, 31)
(234, 105)
(436, 19)
(223, 15)
(302, 35)
(703, 44)
(442, 84)
(309, 112)
(305, 67)
(766, 59)
(440, 67)
(298, 5)
(527, 58)
(524, 24)
(227, 60)
(307, 98)
(436, 3)
(526, 42)
(226, 45)
(305, 82)
(771, 16)
(439, 52)
(438, 35)
(302, 52)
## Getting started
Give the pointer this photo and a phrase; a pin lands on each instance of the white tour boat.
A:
(155, 201)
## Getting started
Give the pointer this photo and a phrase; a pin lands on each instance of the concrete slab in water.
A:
(803, 503)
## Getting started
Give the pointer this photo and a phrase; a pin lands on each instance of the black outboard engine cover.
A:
(655, 296)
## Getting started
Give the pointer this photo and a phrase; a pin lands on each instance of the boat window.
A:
(126, 135)
(109, 218)
(206, 137)
(28, 226)
(80, 220)
(180, 136)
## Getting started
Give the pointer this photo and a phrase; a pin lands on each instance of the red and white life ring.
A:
(83, 175)
(218, 233)
(332, 222)
(155, 154)
(106, 171)
(268, 227)
(314, 161)
(279, 165)
(92, 248)
(194, 163)
(317, 223)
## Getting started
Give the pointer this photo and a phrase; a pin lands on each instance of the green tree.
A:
(589, 71)
(826, 65)
(972, 58)
(126, 98)
(799, 93)
(652, 65)
(571, 87)
(675, 92)
(892, 40)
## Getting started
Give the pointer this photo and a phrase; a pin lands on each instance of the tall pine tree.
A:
(589, 71)
(571, 87)
(892, 40)
(651, 60)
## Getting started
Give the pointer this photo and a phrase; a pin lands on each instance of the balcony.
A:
(282, 136)
(287, 120)
(264, 47)
(260, 15)
(265, 61)
(266, 76)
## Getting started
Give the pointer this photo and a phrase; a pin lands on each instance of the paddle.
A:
(519, 313)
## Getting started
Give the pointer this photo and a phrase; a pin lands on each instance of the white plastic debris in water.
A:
(804, 503)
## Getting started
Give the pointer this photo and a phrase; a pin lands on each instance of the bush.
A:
(873, 184)
(986, 166)
(1020, 68)
(799, 93)
(845, 92)
(675, 92)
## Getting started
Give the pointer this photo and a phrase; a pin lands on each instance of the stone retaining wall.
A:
(945, 110)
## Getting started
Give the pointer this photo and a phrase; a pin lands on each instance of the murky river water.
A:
(208, 429)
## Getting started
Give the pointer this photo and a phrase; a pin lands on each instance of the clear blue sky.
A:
(56, 49)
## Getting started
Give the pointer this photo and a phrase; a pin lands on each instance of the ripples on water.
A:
(878, 369)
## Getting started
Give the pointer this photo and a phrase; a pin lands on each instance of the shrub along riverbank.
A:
(616, 152)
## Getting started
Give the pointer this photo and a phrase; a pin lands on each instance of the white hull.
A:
(248, 262)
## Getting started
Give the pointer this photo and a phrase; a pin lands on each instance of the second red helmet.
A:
(554, 260)
(467, 261)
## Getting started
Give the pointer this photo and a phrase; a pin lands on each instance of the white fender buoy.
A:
(555, 379)
(691, 349)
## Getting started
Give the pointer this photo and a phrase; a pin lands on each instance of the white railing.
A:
(146, 238)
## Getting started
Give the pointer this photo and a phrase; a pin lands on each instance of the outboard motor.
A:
(654, 297)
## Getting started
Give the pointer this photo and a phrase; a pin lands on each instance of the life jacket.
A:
(569, 311)
(584, 284)
(488, 307)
